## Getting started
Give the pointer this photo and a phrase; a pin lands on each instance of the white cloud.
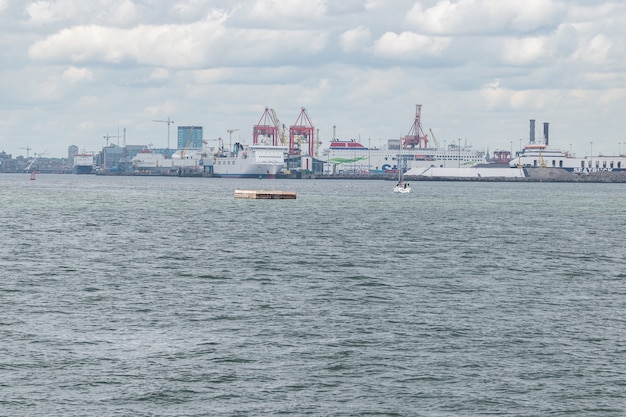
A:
(173, 45)
(95, 12)
(279, 11)
(75, 75)
(206, 43)
(190, 9)
(160, 74)
(498, 97)
(125, 13)
(409, 46)
(41, 12)
(355, 39)
(526, 51)
(601, 50)
(485, 16)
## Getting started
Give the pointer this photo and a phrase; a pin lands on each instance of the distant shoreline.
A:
(532, 175)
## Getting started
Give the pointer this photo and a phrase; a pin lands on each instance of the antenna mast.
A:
(230, 137)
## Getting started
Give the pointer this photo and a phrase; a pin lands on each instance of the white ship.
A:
(148, 160)
(538, 154)
(83, 163)
(351, 157)
(410, 151)
(249, 161)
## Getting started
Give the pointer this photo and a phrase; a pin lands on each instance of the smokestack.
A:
(545, 132)
(532, 130)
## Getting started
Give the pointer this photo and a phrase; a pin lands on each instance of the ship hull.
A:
(83, 169)
(247, 171)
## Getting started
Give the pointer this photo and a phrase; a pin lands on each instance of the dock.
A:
(265, 195)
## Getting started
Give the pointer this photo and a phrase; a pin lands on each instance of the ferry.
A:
(83, 163)
(249, 161)
(147, 160)
(537, 154)
(350, 156)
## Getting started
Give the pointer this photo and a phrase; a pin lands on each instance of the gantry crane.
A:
(266, 127)
(416, 136)
(303, 127)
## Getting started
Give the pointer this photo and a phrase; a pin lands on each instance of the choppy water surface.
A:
(167, 296)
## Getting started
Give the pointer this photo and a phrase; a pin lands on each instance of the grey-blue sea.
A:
(166, 296)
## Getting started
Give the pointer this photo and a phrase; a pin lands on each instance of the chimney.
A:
(532, 131)
(546, 132)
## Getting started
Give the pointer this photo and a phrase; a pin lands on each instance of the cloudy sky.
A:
(74, 71)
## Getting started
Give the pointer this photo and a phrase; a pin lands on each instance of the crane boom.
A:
(281, 129)
(434, 138)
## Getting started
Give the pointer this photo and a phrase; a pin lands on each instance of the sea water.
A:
(166, 296)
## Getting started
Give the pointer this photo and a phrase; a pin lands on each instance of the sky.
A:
(75, 72)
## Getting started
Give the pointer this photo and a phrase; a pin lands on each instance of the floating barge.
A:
(265, 195)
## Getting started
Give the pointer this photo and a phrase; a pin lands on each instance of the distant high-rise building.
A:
(189, 137)
(71, 151)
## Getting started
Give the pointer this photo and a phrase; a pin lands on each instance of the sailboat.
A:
(401, 186)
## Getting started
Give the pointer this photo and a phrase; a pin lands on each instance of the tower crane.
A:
(169, 122)
(107, 137)
(28, 149)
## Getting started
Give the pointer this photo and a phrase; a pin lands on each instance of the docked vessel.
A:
(537, 154)
(352, 157)
(83, 163)
(410, 151)
(249, 161)
(147, 160)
